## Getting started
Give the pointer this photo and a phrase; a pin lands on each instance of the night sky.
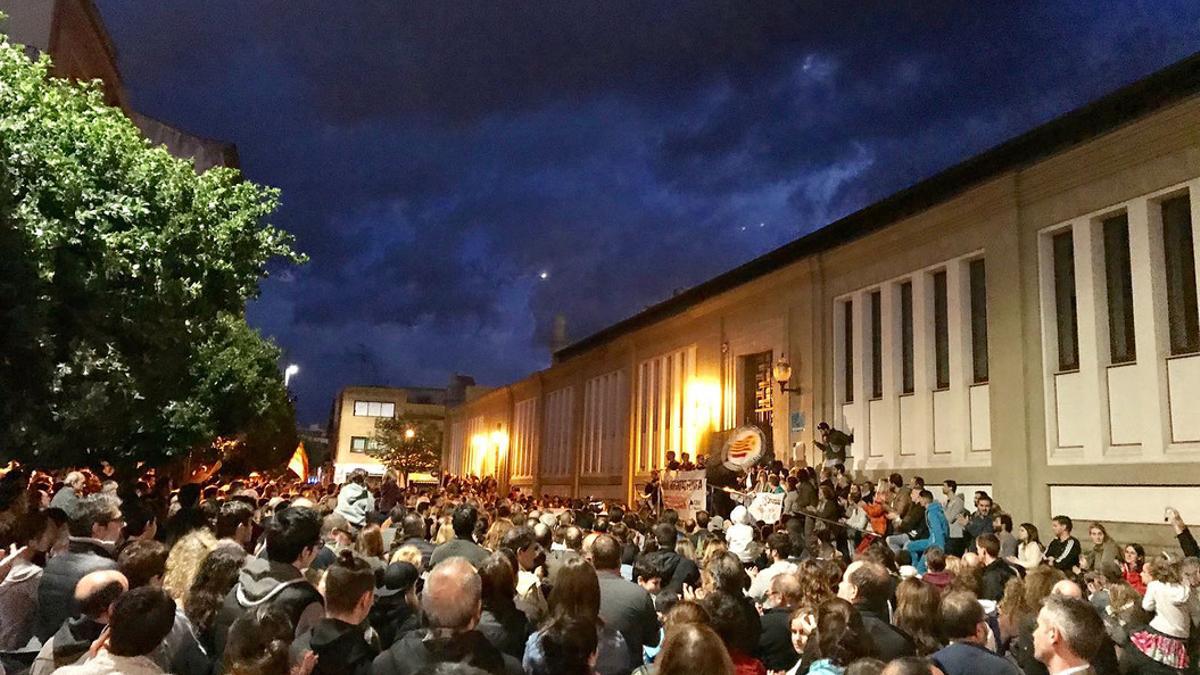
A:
(437, 157)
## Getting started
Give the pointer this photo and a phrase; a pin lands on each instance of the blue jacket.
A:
(961, 658)
(939, 527)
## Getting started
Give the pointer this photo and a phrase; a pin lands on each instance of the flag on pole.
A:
(298, 464)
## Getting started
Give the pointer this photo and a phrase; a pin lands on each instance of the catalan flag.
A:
(298, 464)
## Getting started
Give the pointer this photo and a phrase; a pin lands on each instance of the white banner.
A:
(685, 491)
(767, 507)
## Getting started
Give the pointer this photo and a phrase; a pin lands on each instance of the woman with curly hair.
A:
(814, 579)
(917, 613)
(1165, 640)
(841, 638)
(184, 560)
(217, 574)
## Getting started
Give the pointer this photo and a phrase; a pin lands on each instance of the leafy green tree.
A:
(123, 281)
(408, 444)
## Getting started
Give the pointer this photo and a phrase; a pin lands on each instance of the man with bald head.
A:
(95, 594)
(867, 586)
(451, 603)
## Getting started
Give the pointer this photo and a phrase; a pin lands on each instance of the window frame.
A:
(940, 282)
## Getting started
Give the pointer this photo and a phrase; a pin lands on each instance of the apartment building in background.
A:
(356, 409)
(1024, 322)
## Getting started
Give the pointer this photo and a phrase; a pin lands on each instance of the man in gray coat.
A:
(67, 498)
(624, 605)
(955, 509)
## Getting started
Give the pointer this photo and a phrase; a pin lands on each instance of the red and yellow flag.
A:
(298, 464)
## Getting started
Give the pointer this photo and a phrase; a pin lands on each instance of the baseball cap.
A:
(397, 577)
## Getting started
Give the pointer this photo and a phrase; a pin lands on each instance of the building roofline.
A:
(1156, 91)
(349, 387)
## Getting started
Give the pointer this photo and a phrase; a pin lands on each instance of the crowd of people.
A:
(261, 577)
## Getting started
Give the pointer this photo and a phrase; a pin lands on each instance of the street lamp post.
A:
(782, 371)
(291, 370)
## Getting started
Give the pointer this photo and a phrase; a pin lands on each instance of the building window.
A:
(556, 443)
(1180, 267)
(374, 409)
(906, 338)
(979, 327)
(603, 399)
(361, 444)
(876, 344)
(1067, 320)
(848, 350)
(1118, 275)
(662, 409)
(941, 332)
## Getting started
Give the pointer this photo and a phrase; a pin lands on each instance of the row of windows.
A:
(1178, 266)
(374, 409)
(977, 288)
(361, 444)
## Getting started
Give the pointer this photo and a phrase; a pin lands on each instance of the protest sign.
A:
(684, 491)
(767, 507)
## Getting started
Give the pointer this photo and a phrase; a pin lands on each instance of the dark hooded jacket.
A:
(67, 645)
(263, 582)
(341, 648)
(676, 570)
(418, 650)
(393, 618)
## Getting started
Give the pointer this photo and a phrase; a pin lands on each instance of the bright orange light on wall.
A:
(702, 412)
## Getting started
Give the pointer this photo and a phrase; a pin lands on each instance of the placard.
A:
(767, 507)
(685, 492)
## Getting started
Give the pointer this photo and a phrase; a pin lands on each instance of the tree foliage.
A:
(422, 452)
(123, 282)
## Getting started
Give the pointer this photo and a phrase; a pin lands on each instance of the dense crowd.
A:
(258, 576)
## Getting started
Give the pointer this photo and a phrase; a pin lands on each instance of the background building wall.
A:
(998, 436)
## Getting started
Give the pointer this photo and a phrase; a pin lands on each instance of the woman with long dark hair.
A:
(1131, 566)
(1029, 548)
(917, 613)
(501, 622)
(841, 638)
(575, 601)
(217, 574)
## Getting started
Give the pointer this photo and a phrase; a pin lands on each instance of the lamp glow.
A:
(291, 370)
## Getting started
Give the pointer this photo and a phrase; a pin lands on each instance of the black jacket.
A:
(993, 580)
(775, 644)
(676, 570)
(418, 650)
(1188, 543)
(56, 594)
(392, 618)
(72, 640)
(1064, 555)
(425, 546)
(341, 648)
(890, 641)
(263, 582)
(506, 628)
(459, 548)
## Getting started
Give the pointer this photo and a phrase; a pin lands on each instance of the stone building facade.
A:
(1025, 322)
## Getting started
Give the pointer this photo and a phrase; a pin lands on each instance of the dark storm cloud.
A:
(435, 157)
